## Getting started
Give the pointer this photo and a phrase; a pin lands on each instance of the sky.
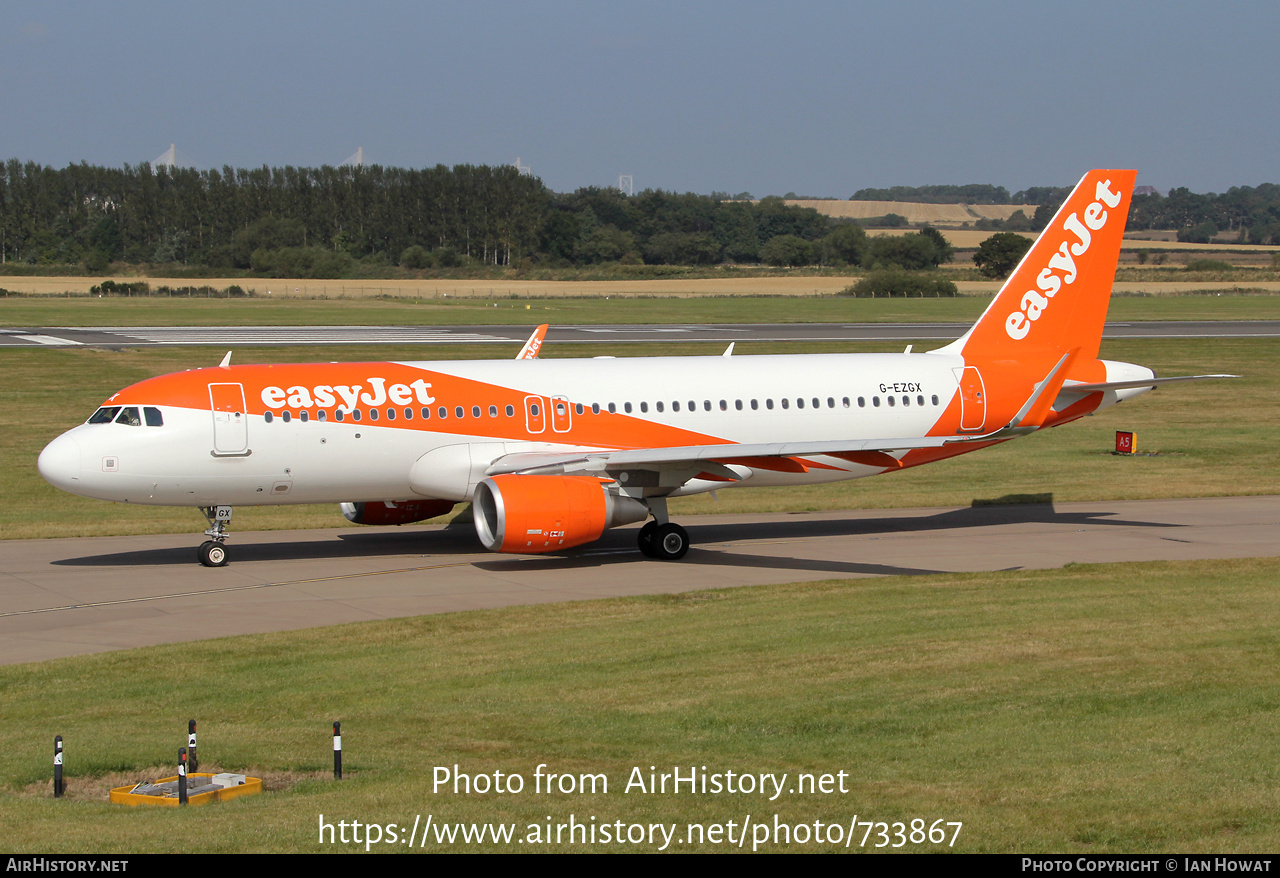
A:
(815, 98)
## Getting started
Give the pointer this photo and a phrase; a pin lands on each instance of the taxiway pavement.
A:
(77, 596)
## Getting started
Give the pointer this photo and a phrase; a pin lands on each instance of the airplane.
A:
(552, 452)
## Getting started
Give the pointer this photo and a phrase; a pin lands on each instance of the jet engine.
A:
(402, 512)
(515, 513)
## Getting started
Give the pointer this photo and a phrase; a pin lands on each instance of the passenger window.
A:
(675, 406)
(268, 417)
(153, 416)
(644, 407)
(322, 415)
(104, 415)
(355, 415)
(286, 416)
(444, 412)
(304, 417)
(724, 406)
(846, 402)
(577, 408)
(425, 412)
(935, 399)
(906, 400)
(862, 402)
(800, 403)
(706, 405)
(391, 414)
(339, 415)
(459, 412)
(919, 400)
(817, 403)
(595, 408)
(129, 417)
(373, 414)
(737, 404)
(786, 403)
(511, 411)
(875, 401)
(493, 411)
(475, 411)
(891, 400)
(768, 403)
(659, 405)
(626, 407)
(408, 414)
(755, 405)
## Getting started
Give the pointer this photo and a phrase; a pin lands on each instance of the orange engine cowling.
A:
(402, 512)
(534, 514)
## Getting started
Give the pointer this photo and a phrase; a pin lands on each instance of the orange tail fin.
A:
(1056, 299)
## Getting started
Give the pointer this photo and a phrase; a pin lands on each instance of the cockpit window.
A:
(154, 419)
(129, 417)
(105, 415)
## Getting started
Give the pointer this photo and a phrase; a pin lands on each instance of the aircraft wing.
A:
(764, 455)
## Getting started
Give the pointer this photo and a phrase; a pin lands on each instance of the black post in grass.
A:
(182, 775)
(57, 766)
(191, 744)
(337, 751)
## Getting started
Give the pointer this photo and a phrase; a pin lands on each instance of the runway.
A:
(77, 596)
(116, 337)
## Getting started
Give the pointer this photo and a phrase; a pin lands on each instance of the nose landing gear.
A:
(213, 551)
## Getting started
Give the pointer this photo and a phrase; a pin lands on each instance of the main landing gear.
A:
(662, 538)
(213, 551)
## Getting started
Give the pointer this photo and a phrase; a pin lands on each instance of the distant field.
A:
(952, 214)
(790, 285)
(442, 290)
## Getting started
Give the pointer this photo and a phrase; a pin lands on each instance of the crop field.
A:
(915, 212)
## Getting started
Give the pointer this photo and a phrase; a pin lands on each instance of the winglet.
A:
(226, 361)
(534, 344)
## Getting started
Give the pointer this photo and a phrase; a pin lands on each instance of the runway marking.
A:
(228, 589)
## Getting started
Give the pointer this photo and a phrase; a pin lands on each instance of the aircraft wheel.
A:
(645, 540)
(670, 542)
(213, 554)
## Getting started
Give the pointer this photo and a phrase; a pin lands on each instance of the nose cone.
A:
(59, 463)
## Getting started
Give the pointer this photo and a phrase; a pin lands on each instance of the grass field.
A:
(1200, 446)
(1097, 709)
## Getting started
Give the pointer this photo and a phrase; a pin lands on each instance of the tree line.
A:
(328, 221)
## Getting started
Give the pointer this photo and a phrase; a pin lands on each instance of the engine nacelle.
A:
(400, 512)
(532, 514)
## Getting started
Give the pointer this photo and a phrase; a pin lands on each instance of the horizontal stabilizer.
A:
(1141, 382)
